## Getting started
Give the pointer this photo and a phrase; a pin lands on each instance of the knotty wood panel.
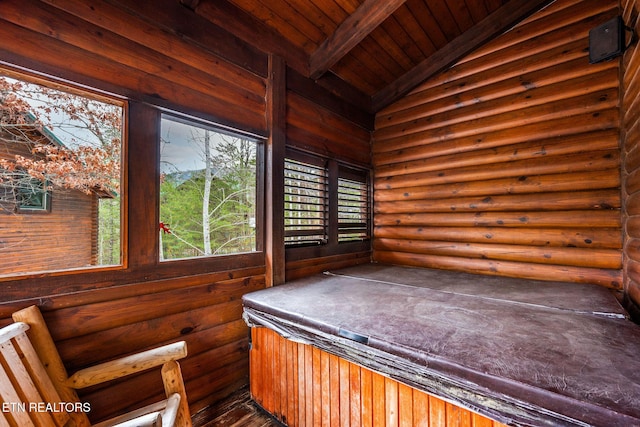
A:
(508, 163)
(631, 156)
(410, 31)
(304, 386)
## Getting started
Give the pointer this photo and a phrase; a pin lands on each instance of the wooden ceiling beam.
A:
(252, 31)
(351, 32)
(495, 24)
(191, 4)
(256, 33)
(172, 17)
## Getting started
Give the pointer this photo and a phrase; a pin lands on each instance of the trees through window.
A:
(207, 191)
(61, 157)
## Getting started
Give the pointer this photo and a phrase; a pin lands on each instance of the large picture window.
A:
(60, 158)
(207, 190)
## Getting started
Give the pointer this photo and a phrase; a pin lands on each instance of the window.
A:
(21, 193)
(326, 202)
(208, 189)
(353, 205)
(305, 202)
(60, 155)
(33, 195)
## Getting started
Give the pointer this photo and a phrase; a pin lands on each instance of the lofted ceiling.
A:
(371, 52)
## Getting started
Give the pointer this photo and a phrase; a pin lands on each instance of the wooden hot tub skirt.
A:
(516, 351)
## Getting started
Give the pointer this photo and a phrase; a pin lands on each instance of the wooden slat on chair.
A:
(36, 391)
(48, 355)
(24, 383)
(39, 373)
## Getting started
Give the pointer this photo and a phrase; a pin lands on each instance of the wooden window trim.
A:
(139, 219)
(259, 176)
(333, 246)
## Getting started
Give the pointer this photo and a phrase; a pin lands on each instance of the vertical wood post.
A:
(142, 183)
(173, 383)
(274, 171)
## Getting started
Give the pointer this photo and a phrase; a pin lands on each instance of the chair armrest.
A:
(127, 365)
(156, 414)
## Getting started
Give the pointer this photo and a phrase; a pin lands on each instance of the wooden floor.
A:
(236, 411)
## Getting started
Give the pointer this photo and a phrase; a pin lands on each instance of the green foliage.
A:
(109, 231)
(231, 214)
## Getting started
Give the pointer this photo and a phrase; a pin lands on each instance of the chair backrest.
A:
(27, 394)
(35, 389)
(47, 353)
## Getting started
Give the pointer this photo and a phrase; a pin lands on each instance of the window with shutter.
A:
(353, 205)
(306, 201)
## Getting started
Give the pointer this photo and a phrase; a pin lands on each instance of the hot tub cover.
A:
(522, 352)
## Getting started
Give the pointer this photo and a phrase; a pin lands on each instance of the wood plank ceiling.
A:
(371, 52)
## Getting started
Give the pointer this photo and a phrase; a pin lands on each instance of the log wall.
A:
(96, 315)
(319, 124)
(631, 160)
(508, 162)
(167, 57)
(111, 47)
(34, 234)
(305, 386)
(27, 237)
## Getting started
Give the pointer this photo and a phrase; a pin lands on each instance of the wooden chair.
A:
(36, 391)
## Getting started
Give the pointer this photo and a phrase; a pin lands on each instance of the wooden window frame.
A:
(333, 246)
(87, 92)
(259, 175)
(140, 196)
(310, 232)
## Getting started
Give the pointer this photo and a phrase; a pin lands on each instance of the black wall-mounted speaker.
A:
(606, 41)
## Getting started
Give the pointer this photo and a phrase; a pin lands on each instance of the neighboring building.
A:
(35, 217)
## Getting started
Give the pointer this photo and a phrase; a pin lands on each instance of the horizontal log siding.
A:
(96, 315)
(315, 128)
(98, 42)
(311, 265)
(70, 228)
(508, 163)
(205, 311)
(631, 167)
(305, 386)
(207, 315)
(312, 127)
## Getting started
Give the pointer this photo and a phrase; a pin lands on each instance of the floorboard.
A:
(236, 411)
